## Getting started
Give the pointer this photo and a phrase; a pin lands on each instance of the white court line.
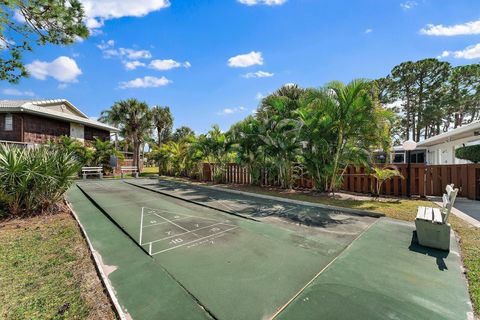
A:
(171, 222)
(181, 234)
(179, 214)
(141, 227)
(181, 245)
(156, 224)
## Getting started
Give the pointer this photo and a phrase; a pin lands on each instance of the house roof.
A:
(468, 130)
(41, 107)
(455, 134)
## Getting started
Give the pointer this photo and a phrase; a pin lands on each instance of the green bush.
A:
(470, 153)
(34, 180)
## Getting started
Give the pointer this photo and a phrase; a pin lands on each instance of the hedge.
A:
(470, 153)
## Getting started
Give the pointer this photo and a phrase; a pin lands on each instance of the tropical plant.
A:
(103, 153)
(383, 174)
(80, 151)
(213, 147)
(248, 147)
(357, 123)
(134, 120)
(182, 133)
(34, 180)
(162, 122)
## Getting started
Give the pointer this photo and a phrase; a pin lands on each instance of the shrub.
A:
(383, 174)
(34, 180)
(470, 153)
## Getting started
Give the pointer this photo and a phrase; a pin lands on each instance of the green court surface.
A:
(387, 275)
(228, 263)
(144, 290)
(225, 266)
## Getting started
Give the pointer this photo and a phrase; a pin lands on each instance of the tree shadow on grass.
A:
(439, 255)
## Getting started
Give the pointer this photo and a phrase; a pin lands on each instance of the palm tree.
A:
(134, 119)
(244, 139)
(162, 121)
(213, 146)
(357, 123)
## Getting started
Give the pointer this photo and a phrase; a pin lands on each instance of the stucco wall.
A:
(447, 151)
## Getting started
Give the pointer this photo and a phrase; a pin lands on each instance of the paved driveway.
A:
(469, 207)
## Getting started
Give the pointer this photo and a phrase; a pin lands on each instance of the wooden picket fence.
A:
(425, 180)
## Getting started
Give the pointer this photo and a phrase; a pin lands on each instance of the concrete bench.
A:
(92, 171)
(132, 169)
(433, 229)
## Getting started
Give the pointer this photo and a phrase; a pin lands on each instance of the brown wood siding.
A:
(40, 129)
(92, 133)
(16, 133)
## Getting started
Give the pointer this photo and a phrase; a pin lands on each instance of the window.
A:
(399, 158)
(417, 156)
(8, 122)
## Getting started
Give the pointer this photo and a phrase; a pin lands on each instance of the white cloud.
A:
(246, 60)
(228, 111)
(98, 11)
(168, 64)
(104, 45)
(258, 74)
(259, 96)
(471, 52)
(369, 30)
(109, 51)
(134, 54)
(472, 27)
(17, 15)
(63, 69)
(132, 65)
(265, 2)
(145, 82)
(17, 93)
(408, 5)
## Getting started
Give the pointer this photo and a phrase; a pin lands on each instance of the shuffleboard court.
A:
(339, 223)
(234, 267)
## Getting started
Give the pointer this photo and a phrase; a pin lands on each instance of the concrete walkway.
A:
(465, 209)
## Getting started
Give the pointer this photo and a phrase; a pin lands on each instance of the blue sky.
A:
(211, 60)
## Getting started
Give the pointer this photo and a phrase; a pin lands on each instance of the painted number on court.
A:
(176, 241)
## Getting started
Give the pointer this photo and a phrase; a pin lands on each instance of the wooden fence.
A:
(425, 180)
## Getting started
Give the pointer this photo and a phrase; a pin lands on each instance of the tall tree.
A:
(163, 122)
(25, 23)
(419, 86)
(357, 124)
(134, 119)
(463, 95)
(182, 133)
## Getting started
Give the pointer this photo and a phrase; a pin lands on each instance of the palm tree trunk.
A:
(336, 159)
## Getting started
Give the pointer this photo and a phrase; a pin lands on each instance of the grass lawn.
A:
(402, 209)
(46, 271)
(149, 171)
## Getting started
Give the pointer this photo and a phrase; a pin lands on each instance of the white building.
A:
(440, 149)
